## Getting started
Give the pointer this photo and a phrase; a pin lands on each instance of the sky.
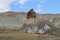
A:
(40, 6)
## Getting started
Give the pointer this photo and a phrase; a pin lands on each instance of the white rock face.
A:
(57, 23)
(32, 29)
(46, 27)
(11, 22)
(17, 23)
(41, 31)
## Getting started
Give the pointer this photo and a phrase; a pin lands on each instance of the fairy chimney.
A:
(31, 16)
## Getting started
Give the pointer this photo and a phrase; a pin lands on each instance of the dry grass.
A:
(25, 36)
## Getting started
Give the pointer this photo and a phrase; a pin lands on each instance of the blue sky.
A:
(40, 6)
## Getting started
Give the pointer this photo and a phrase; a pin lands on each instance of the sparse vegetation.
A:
(25, 36)
(11, 22)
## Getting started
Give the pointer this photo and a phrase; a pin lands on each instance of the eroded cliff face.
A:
(31, 17)
(33, 26)
(43, 22)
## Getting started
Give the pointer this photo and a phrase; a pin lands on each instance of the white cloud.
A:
(4, 5)
(23, 1)
(39, 8)
(42, 1)
(6, 1)
(4, 8)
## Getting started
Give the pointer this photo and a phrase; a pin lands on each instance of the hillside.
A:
(16, 19)
(12, 22)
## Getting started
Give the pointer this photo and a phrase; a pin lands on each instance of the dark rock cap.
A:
(31, 14)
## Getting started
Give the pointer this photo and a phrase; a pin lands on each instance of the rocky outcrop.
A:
(39, 26)
(11, 22)
(30, 22)
(31, 14)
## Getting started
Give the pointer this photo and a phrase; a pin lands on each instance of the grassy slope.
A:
(25, 36)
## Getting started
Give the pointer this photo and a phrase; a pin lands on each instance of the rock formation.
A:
(33, 26)
(31, 22)
(31, 16)
(45, 26)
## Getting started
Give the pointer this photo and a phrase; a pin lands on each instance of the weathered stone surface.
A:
(11, 22)
(34, 24)
(31, 14)
(31, 29)
(57, 22)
